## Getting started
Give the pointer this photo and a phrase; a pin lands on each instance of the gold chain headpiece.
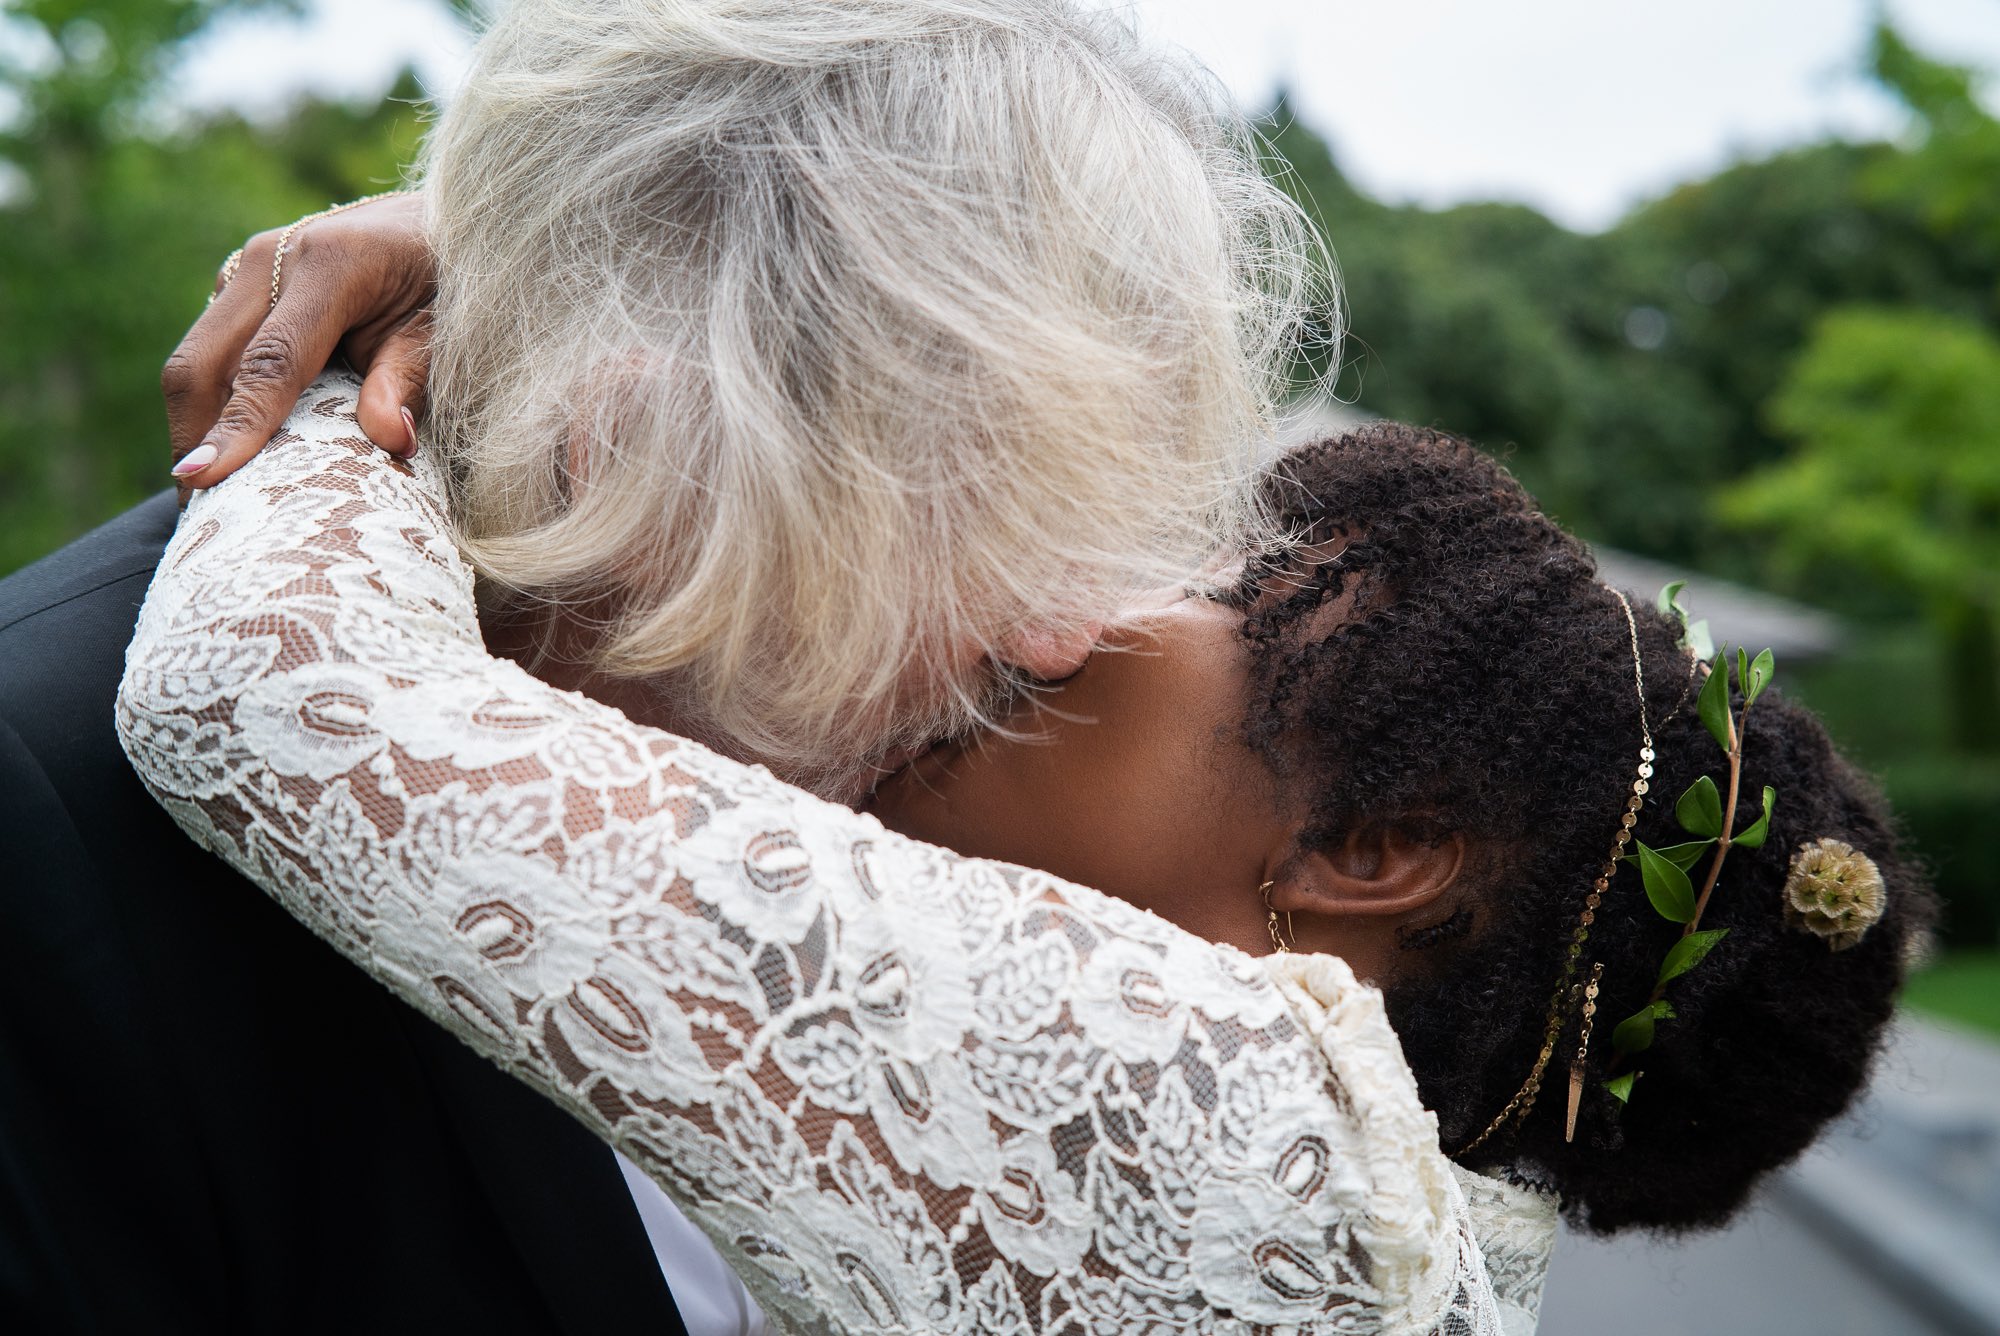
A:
(1569, 991)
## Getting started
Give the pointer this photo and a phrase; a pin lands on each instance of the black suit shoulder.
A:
(209, 1121)
(129, 544)
(64, 624)
(126, 547)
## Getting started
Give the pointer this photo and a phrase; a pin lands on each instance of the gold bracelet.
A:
(285, 237)
(229, 267)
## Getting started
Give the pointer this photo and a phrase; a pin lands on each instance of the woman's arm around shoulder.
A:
(902, 1090)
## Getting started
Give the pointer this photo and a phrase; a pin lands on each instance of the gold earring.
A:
(1271, 920)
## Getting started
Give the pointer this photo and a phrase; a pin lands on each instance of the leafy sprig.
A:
(1706, 813)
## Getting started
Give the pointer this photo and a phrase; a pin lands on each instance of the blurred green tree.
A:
(1953, 176)
(1627, 371)
(114, 215)
(1896, 411)
(1897, 474)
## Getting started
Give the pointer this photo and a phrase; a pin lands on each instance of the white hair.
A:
(805, 343)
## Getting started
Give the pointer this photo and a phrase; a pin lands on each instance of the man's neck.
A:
(554, 647)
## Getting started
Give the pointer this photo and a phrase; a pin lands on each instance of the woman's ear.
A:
(1377, 871)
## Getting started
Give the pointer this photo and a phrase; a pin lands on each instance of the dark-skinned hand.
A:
(357, 284)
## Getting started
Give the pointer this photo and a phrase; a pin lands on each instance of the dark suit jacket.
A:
(209, 1121)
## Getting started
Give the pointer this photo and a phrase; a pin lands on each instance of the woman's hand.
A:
(359, 283)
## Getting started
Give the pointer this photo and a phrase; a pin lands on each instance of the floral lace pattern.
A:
(901, 1090)
(1516, 1227)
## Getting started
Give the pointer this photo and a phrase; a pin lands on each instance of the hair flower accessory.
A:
(1833, 891)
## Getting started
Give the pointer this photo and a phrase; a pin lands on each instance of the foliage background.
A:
(1786, 374)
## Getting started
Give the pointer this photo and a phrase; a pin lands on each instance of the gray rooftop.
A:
(1735, 614)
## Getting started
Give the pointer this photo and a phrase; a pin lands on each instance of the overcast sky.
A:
(1579, 107)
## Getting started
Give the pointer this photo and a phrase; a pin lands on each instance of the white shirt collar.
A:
(1516, 1231)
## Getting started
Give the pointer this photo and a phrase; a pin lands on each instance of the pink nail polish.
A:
(409, 426)
(195, 460)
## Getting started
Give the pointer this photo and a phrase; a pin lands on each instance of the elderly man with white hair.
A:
(803, 377)
(803, 362)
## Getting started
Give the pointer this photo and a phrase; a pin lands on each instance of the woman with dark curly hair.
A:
(1436, 679)
(904, 1088)
(1498, 711)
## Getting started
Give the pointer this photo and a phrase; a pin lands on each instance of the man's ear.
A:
(1377, 871)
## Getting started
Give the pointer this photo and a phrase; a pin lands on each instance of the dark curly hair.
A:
(1480, 683)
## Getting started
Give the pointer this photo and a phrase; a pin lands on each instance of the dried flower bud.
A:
(1833, 891)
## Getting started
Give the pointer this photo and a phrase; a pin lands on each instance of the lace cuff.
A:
(902, 1090)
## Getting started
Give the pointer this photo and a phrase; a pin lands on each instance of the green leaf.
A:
(1761, 670)
(1713, 703)
(1670, 605)
(1635, 1033)
(1701, 641)
(1621, 1086)
(1666, 886)
(1742, 669)
(1753, 838)
(1688, 952)
(1682, 856)
(1700, 809)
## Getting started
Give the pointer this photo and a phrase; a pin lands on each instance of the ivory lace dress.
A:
(900, 1089)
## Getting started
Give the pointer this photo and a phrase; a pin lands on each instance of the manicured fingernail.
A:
(410, 426)
(195, 460)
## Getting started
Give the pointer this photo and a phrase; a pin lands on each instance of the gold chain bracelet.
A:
(285, 237)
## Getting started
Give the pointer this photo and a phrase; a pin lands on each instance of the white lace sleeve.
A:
(902, 1090)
